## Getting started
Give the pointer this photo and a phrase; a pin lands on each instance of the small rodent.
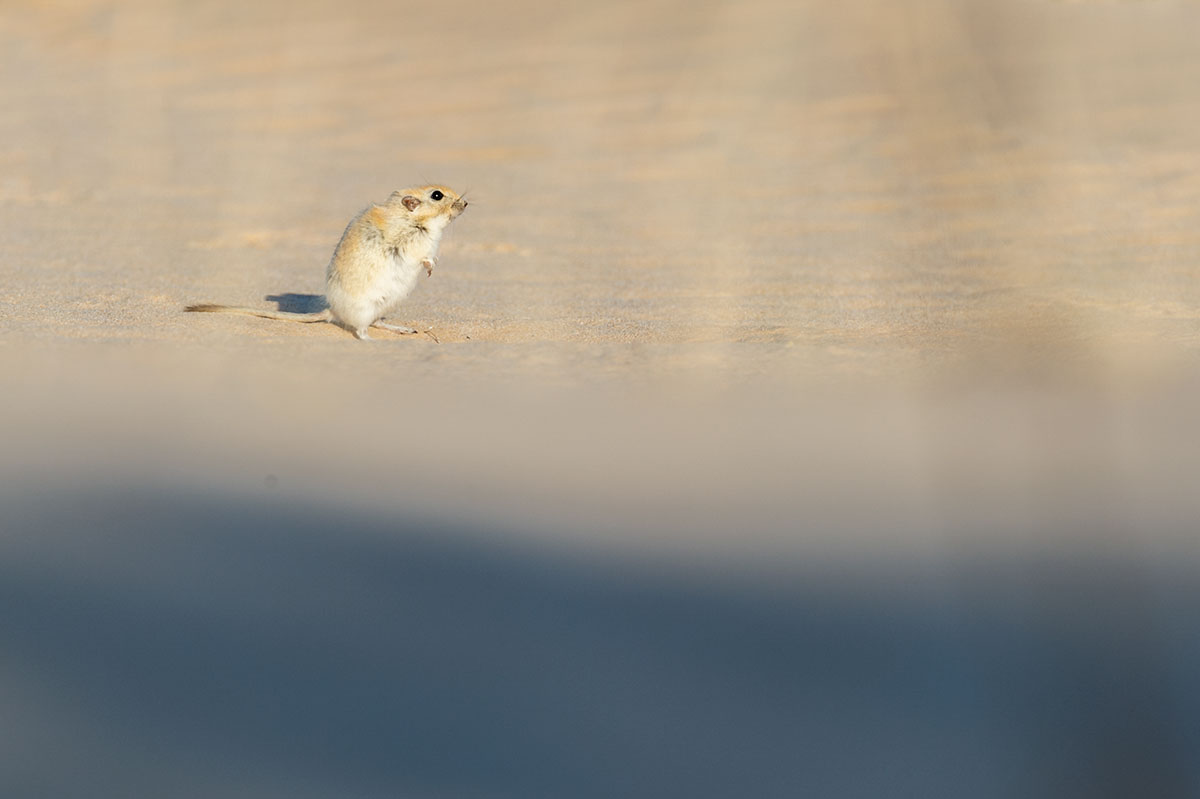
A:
(376, 264)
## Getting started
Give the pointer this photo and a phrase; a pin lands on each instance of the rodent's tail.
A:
(286, 316)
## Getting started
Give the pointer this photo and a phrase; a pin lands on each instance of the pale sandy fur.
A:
(381, 256)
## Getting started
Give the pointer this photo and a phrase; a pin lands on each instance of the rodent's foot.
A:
(393, 328)
(428, 264)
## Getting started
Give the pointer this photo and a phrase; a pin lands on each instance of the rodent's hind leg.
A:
(393, 328)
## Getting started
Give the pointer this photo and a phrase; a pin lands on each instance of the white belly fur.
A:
(396, 284)
(382, 295)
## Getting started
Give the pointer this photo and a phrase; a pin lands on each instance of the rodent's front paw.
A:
(428, 264)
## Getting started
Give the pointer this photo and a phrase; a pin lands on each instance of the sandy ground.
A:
(811, 410)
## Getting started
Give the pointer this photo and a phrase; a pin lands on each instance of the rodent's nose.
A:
(465, 203)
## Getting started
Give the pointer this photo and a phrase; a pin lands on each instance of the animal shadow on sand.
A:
(297, 303)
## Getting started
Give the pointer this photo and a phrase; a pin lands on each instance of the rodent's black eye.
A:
(436, 195)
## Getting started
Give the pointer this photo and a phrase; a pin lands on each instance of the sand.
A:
(843, 325)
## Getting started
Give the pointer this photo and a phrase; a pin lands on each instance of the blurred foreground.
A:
(480, 590)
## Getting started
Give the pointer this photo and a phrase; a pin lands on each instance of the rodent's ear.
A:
(410, 202)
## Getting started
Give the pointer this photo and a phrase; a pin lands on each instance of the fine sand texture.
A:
(804, 405)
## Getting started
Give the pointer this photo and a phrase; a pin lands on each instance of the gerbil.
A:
(376, 264)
